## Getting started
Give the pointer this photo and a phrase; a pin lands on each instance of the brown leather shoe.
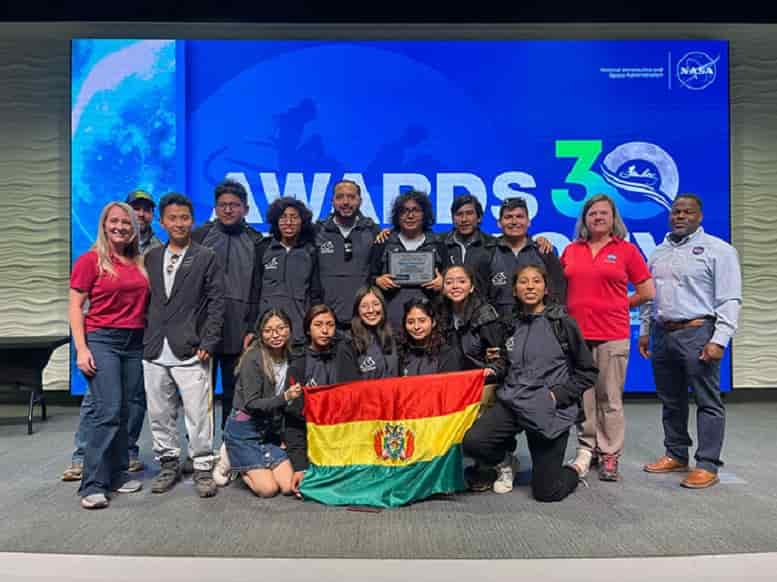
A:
(665, 465)
(699, 479)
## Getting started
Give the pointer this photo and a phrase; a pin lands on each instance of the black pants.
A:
(493, 434)
(227, 363)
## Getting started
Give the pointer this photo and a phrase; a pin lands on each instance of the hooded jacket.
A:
(537, 366)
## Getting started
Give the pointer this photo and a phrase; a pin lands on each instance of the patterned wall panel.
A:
(34, 160)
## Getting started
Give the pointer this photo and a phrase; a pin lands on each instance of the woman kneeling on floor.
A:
(548, 369)
(255, 431)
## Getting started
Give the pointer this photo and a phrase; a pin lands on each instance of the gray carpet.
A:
(642, 515)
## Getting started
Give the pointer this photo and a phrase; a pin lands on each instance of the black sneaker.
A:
(204, 483)
(167, 477)
(187, 466)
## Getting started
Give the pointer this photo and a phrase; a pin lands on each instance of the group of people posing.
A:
(317, 303)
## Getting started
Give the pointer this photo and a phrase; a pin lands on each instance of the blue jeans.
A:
(118, 357)
(137, 414)
(676, 367)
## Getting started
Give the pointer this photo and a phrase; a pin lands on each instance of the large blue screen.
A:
(552, 121)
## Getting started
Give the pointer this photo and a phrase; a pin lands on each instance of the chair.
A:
(22, 360)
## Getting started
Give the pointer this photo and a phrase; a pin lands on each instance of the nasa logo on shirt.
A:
(697, 250)
(328, 248)
(510, 344)
(368, 365)
(499, 279)
(611, 258)
(271, 265)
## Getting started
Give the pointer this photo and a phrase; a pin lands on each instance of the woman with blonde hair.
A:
(599, 266)
(109, 345)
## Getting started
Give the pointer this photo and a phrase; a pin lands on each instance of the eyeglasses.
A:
(281, 330)
(173, 262)
(289, 220)
(229, 205)
(406, 211)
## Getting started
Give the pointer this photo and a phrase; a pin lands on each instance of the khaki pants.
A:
(604, 426)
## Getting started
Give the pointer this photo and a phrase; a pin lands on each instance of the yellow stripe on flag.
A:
(388, 442)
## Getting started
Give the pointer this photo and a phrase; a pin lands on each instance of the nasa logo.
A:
(697, 70)
(697, 250)
(611, 258)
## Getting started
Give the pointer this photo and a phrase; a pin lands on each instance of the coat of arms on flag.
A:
(389, 442)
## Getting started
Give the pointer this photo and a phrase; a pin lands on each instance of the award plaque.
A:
(412, 268)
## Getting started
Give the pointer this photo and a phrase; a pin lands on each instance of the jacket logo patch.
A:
(499, 279)
(510, 344)
(697, 250)
(368, 365)
(328, 248)
(272, 264)
(312, 382)
(611, 258)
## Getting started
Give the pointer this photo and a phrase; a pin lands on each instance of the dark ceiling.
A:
(463, 11)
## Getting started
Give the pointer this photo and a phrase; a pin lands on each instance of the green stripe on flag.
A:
(381, 486)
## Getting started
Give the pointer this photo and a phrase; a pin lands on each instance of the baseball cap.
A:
(140, 195)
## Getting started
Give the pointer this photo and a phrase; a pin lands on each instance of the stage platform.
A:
(641, 516)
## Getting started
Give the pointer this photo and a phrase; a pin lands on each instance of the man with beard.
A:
(343, 244)
(143, 205)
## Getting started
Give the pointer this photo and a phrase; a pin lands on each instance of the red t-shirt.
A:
(597, 287)
(118, 301)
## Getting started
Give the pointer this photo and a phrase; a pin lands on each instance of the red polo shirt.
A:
(597, 287)
(118, 301)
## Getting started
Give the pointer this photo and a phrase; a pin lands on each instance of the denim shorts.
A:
(250, 444)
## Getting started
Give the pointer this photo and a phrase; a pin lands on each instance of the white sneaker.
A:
(222, 472)
(582, 462)
(94, 501)
(132, 486)
(505, 474)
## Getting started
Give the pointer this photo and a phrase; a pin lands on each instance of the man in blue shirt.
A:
(690, 322)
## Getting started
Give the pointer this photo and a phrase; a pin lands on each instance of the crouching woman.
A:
(548, 368)
(255, 430)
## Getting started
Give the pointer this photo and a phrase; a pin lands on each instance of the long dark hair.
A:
(519, 310)
(473, 302)
(436, 339)
(382, 332)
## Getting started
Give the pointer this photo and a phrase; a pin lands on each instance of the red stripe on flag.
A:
(393, 398)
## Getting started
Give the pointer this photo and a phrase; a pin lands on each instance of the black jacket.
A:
(504, 264)
(255, 395)
(478, 256)
(416, 361)
(343, 273)
(191, 318)
(236, 247)
(396, 298)
(286, 280)
(481, 328)
(538, 364)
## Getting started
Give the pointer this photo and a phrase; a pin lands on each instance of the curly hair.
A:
(422, 198)
(279, 206)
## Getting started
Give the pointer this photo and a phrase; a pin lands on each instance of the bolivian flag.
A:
(388, 442)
